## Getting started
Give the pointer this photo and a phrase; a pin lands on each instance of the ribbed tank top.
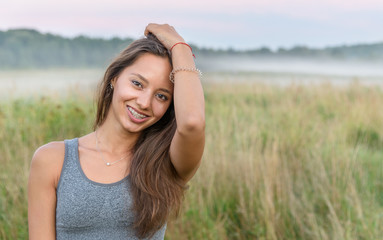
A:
(90, 210)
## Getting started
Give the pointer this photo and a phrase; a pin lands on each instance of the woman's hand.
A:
(165, 33)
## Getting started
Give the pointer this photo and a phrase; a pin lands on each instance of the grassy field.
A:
(295, 162)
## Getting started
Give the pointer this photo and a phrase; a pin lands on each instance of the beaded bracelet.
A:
(196, 70)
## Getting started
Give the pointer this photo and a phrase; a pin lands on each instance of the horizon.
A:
(274, 50)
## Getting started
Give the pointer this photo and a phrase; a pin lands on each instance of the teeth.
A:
(136, 114)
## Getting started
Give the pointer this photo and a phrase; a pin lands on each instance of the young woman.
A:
(123, 180)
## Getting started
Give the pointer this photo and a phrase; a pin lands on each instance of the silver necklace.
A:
(102, 156)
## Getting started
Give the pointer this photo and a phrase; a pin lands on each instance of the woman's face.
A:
(142, 93)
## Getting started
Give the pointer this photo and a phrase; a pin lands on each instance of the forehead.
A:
(151, 63)
(154, 69)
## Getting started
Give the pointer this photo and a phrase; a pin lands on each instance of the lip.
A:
(137, 110)
(136, 120)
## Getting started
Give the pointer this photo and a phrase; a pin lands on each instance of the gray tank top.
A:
(90, 210)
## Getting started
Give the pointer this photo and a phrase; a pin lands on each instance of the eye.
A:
(137, 83)
(162, 97)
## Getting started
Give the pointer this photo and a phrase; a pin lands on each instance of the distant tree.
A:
(28, 48)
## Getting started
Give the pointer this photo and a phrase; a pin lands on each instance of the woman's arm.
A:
(188, 143)
(42, 192)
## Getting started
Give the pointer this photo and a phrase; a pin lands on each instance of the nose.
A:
(143, 100)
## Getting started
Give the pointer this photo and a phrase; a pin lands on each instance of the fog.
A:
(347, 68)
(282, 72)
(52, 82)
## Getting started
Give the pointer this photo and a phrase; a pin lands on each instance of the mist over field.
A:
(269, 70)
(233, 69)
(356, 68)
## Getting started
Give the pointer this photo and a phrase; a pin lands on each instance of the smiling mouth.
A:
(136, 114)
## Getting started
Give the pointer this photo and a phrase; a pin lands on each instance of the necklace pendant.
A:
(107, 164)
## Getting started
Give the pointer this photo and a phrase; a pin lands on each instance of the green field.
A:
(292, 162)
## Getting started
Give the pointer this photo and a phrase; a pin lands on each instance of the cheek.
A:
(124, 94)
(160, 109)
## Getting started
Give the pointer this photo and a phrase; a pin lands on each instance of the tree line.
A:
(28, 48)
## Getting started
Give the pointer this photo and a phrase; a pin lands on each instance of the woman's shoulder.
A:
(48, 160)
(49, 151)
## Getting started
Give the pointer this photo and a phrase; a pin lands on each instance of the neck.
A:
(114, 139)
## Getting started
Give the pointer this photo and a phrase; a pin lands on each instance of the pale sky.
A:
(241, 24)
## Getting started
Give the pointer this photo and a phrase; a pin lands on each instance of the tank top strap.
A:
(70, 171)
(71, 149)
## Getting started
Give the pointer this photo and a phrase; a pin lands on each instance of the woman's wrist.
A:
(176, 70)
(181, 52)
(182, 45)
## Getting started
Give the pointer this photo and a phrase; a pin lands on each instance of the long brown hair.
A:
(157, 189)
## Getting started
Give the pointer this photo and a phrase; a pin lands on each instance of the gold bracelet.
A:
(196, 70)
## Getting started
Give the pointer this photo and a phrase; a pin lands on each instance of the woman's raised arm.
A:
(189, 140)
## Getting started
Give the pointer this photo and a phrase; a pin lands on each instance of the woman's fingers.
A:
(165, 33)
(148, 27)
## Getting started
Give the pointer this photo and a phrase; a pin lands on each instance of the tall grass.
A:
(298, 162)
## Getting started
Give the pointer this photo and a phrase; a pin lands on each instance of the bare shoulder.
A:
(49, 154)
(44, 173)
(48, 160)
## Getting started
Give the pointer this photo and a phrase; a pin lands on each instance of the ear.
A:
(113, 82)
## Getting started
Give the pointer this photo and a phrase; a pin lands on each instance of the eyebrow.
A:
(147, 82)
